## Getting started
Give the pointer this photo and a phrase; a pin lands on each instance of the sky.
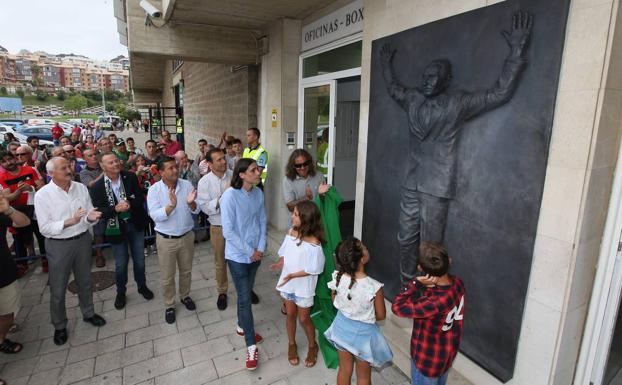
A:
(82, 27)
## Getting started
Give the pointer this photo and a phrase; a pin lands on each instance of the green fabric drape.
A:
(323, 312)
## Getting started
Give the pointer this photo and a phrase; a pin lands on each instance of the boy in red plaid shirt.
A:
(435, 302)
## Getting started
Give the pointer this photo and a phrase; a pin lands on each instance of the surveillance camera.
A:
(150, 9)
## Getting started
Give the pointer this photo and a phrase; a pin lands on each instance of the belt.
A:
(215, 225)
(172, 236)
(68, 239)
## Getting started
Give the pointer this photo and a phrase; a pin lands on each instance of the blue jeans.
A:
(243, 275)
(135, 241)
(419, 379)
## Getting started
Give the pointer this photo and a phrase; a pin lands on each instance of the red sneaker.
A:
(252, 357)
(240, 332)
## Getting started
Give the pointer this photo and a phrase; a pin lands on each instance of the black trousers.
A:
(423, 217)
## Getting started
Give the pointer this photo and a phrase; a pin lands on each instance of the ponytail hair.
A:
(349, 253)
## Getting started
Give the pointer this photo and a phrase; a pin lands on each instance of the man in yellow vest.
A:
(179, 126)
(256, 152)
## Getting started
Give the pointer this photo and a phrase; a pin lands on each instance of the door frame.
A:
(321, 80)
(606, 293)
(331, 120)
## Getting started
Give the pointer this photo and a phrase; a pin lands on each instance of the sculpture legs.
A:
(422, 218)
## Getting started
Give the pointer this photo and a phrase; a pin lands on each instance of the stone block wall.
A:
(216, 99)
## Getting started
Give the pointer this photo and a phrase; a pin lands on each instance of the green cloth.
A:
(323, 312)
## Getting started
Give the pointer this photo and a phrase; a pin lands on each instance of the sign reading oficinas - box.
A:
(343, 22)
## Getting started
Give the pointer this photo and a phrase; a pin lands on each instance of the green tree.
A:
(41, 95)
(36, 72)
(3, 91)
(110, 107)
(20, 93)
(61, 95)
(76, 103)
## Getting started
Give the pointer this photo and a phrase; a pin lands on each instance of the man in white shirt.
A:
(210, 189)
(65, 213)
(171, 203)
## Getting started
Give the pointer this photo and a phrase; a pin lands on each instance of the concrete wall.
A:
(215, 100)
(583, 152)
(279, 83)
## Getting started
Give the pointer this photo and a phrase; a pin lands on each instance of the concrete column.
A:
(279, 93)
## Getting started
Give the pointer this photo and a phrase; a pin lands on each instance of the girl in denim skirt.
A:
(360, 301)
(302, 260)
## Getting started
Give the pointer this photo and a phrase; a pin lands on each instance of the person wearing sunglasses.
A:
(302, 181)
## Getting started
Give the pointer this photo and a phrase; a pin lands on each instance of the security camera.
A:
(150, 9)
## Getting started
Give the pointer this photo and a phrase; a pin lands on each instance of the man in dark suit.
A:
(119, 198)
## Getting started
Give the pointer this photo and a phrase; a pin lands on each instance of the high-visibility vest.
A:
(180, 127)
(255, 154)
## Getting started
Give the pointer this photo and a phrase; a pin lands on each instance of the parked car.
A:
(42, 132)
(66, 127)
(40, 121)
(14, 125)
(5, 129)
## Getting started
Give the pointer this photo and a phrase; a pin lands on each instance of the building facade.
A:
(307, 86)
(66, 72)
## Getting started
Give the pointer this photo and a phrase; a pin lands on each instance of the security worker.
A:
(256, 152)
(180, 129)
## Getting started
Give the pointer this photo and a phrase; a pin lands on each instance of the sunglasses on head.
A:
(301, 165)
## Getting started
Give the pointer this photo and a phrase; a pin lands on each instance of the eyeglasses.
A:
(22, 154)
(301, 165)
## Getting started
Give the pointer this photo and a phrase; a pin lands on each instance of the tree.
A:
(61, 95)
(20, 93)
(76, 103)
(41, 95)
(36, 72)
(3, 91)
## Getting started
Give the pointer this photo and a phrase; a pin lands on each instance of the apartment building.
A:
(69, 72)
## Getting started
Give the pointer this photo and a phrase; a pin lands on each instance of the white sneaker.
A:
(252, 357)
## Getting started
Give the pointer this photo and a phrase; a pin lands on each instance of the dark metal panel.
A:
(500, 168)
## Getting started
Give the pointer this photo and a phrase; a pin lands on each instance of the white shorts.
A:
(302, 302)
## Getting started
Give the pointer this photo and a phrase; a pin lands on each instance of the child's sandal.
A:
(292, 355)
(311, 359)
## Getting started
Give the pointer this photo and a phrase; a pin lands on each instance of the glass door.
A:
(318, 122)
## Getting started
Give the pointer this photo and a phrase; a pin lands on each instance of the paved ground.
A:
(138, 347)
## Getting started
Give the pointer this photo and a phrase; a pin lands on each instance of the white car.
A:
(6, 129)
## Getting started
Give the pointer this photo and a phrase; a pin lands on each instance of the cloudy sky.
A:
(83, 27)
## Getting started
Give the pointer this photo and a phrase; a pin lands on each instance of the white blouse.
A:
(306, 257)
(361, 305)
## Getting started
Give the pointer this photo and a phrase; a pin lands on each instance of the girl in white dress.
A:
(360, 301)
(302, 260)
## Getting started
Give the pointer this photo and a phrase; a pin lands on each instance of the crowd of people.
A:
(93, 188)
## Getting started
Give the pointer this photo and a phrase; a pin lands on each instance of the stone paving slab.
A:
(137, 347)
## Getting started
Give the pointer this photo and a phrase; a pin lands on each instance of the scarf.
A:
(112, 227)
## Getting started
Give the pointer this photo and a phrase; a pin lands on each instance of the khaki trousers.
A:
(172, 254)
(218, 244)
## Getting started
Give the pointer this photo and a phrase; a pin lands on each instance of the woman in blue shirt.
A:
(244, 227)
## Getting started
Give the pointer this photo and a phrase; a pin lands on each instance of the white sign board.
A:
(343, 22)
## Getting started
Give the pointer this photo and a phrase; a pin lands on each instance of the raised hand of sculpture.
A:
(518, 38)
(436, 114)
